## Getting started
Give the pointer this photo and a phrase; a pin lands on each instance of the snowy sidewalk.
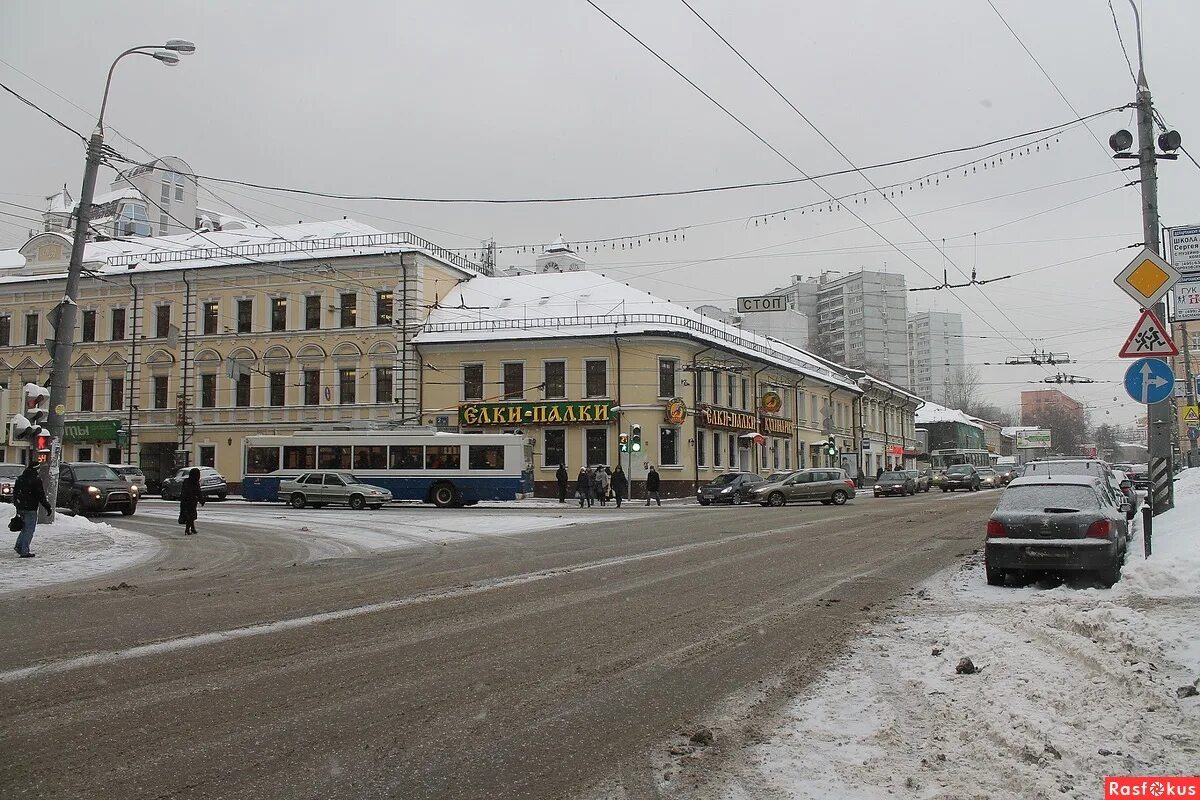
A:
(1074, 685)
(72, 548)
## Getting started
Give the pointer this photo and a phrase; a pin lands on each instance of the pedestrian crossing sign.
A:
(1190, 415)
(1149, 338)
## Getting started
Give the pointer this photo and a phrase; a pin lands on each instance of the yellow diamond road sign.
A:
(1147, 278)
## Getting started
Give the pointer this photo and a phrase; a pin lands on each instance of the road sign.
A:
(1194, 434)
(1149, 380)
(1187, 301)
(1034, 439)
(1147, 278)
(764, 302)
(1185, 248)
(1190, 415)
(1148, 338)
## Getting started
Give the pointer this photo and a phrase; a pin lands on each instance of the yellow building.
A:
(577, 361)
(189, 343)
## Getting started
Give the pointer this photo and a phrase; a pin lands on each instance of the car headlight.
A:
(93, 490)
(727, 490)
(133, 489)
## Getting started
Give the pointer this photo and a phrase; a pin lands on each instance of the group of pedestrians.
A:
(601, 484)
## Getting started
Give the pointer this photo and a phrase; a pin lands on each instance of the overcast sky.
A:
(544, 98)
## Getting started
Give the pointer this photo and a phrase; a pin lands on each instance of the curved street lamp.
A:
(65, 314)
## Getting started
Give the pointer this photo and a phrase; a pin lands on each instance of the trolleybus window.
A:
(334, 456)
(261, 460)
(406, 456)
(485, 456)
(441, 457)
(297, 457)
(370, 456)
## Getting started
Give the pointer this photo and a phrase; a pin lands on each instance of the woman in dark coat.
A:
(620, 485)
(583, 487)
(189, 497)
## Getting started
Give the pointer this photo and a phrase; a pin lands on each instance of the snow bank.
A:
(71, 548)
(1075, 684)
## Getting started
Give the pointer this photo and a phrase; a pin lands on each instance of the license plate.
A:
(1034, 552)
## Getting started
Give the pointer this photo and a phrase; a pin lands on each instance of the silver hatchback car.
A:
(807, 485)
(323, 488)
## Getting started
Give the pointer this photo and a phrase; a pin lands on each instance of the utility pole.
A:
(1190, 392)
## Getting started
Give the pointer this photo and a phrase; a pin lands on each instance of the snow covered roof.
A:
(62, 203)
(931, 413)
(574, 304)
(340, 238)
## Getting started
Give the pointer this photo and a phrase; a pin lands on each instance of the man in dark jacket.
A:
(28, 494)
(620, 484)
(652, 487)
(563, 479)
(583, 487)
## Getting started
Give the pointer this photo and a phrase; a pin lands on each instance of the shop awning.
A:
(757, 438)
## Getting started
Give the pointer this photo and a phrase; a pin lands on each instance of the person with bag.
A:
(28, 494)
(583, 487)
(190, 496)
(620, 484)
(563, 479)
(652, 484)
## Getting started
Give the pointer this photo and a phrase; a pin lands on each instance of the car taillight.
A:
(1100, 529)
(995, 529)
(849, 484)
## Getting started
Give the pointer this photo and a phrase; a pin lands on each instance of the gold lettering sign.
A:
(473, 415)
(777, 426)
(728, 418)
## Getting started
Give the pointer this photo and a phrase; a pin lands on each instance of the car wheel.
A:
(297, 500)
(839, 498)
(995, 577)
(736, 498)
(128, 512)
(443, 495)
(74, 506)
(357, 502)
(704, 502)
(1111, 574)
(222, 496)
(776, 499)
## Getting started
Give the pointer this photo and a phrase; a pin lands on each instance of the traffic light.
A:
(831, 447)
(624, 442)
(28, 426)
(635, 439)
(42, 445)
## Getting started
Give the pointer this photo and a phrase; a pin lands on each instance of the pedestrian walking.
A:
(620, 485)
(600, 485)
(583, 487)
(28, 494)
(652, 482)
(563, 479)
(190, 497)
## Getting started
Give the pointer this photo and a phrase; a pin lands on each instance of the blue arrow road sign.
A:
(1149, 380)
(1194, 434)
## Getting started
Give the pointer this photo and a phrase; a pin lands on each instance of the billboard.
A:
(1035, 438)
(1185, 248)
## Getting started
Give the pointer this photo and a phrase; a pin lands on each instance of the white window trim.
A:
(521, 398)
(566, 448)
(607, 381)
(462, 381)
(607, 444)
(566, 380)
(678, 445)
(675, 373)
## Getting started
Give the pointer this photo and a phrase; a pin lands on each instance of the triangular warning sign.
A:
(1148, 338)
(1191, 416)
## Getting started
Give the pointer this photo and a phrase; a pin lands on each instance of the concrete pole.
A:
(1160, 419)
(1190, 390)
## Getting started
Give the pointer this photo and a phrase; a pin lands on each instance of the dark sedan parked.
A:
(901, 483)
(731, 487)
(1065, 523)
(961, 476)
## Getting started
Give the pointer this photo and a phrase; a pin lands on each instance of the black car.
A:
(85, 487)
(1057, 523)
(901, 483)
(961, 476)
(212, 483)
(731, 487)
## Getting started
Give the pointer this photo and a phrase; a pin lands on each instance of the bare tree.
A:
(962, 392)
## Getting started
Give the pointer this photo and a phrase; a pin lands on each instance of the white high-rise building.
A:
(861, 321)
(935, 343)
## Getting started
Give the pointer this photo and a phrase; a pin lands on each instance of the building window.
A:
(597, 446)
(312, 312)
(5, 330)
(208, 391)
(716, 449)
(163, 224)
(745, 394)
(554, 448)
(383, 307)
(165, 195)
(245, 315)
(716, 391)
(241, 397)
(162, 321)
(668, 446)
(116, 394)
(89, 326)
(84, 453)
(555, 376)
(179, 196)
(114, 455)
(472, 381)
(86, 394)
(160, 392)
(801, 406)
(349, 310)
(279, 313)
(312, 387)
(383, 384)
(118, 324)
(514, 380)
(208, 455)
(666, 377)
(31, 329)
(699, 377)
(277, 388)
(733, 452)
(701, 456)
(731, 383)
(210, 318)
(596, 380)
(347, 386)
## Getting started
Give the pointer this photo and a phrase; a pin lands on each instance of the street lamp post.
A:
(65, 313)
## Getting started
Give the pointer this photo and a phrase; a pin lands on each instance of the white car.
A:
(130, 474)
(323, 487)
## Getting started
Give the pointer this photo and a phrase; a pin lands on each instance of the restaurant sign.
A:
(777, 426)
(562, 413)
(91, 430)
(711, 417)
